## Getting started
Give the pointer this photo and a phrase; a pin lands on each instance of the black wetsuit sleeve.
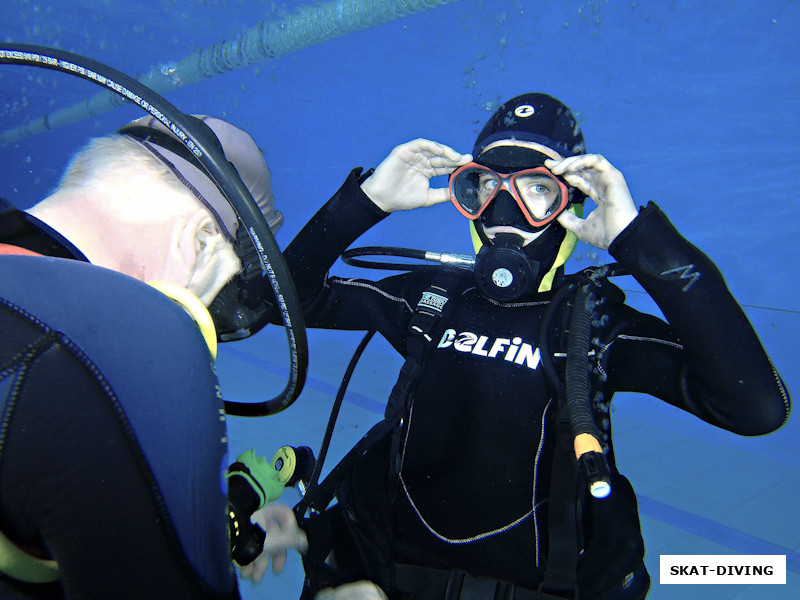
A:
(336, 225)
(726, 377)
(341, 303)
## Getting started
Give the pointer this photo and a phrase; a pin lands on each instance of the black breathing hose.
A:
(578, 365)
(225, 178)
(576, 389)
(448, 259)
(313, 482)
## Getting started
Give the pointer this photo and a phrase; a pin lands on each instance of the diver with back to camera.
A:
(113, 444)
(493, 472)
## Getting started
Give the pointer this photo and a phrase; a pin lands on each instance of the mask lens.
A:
(542, 194)
(472, 188)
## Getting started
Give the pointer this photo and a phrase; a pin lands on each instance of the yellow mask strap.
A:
(196, 309)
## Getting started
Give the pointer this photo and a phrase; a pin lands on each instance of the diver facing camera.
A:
(512, 198)
(416, 508)
(514, 210)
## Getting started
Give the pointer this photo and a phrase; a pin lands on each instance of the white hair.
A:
(127, 211)
(118, 176)
(115, 157)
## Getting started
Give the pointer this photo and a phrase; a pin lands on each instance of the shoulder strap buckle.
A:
(428, 312)
(555, 592)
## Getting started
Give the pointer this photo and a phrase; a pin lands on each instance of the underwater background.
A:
(695, 102)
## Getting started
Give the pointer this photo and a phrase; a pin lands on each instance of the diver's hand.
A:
(401, 181)
(278, 522)
(601, 181)
(360, 590)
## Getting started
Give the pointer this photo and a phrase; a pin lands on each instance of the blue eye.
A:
(532, 187)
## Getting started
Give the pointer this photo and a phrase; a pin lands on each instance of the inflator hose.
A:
(578, 366)
(586, 435)
(226, 179)
(313, 481)
(576, 390)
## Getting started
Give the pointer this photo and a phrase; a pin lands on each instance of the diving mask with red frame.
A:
(540, 195)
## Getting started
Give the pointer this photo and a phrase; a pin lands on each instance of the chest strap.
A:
(433, 304)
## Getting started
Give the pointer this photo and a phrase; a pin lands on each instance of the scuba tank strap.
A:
(429, 310)
(560, 579)
(585, 292)
(434, 304)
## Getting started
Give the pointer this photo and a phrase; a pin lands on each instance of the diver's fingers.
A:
(430, 158)
(283, 515)
(570, 221)
(574, 171)
(558, 167)
(260, 569)
(435, 149)
(576, 164)
(436, 166)
(444, 165)
(255, 570)
(278, 562)
(279, 541)
(590, 173)
(437, 196)
(583, 182)
(279, 520)
(246, 572)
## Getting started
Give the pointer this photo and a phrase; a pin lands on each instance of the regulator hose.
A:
(313, 484)
(450, 259)
(274, 269)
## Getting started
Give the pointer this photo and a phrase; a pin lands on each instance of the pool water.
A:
(695, 102)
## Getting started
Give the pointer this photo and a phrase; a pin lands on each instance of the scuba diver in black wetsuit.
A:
(113, 443)
(472, 486)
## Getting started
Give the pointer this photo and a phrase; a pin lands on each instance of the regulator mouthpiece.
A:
(503, 271)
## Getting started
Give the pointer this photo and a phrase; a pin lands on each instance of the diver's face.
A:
(527, 236)
(539, 193)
